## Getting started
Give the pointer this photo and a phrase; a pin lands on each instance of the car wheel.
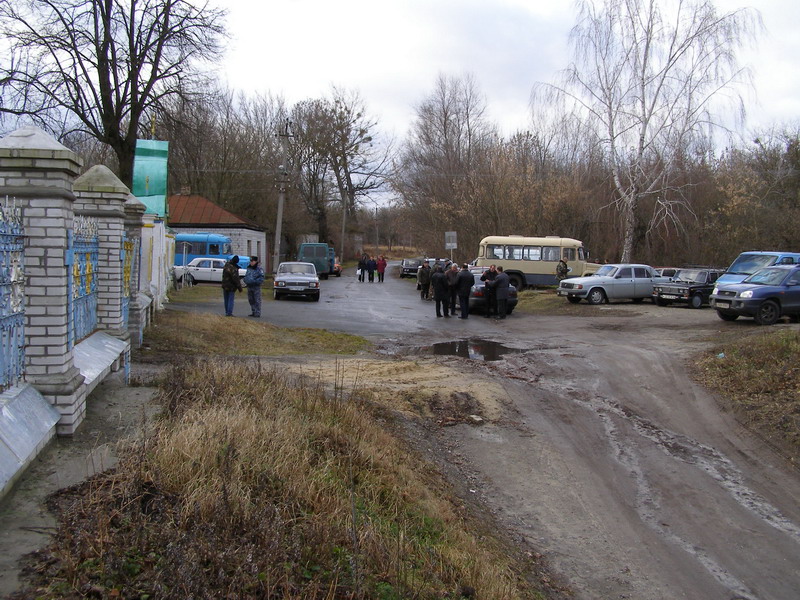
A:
(727, 316)
(596, 296)
(339, 274)
(660, 301)
(696, 301)
(189, 280)
(573, 299)
(276, 295)
(637, 300)
(768, 313)
(315, 297)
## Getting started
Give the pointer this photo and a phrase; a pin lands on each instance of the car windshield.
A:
(750, 263)
(691, 276)
(297, 269)
(411, 263)
(767, 277)
(606, 271)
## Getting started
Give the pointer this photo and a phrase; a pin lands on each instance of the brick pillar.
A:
(137, 310)
(39, 172)
(101, 195)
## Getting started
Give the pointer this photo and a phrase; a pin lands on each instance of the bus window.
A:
(532, 253)
(213, 249)
(552, 253)
(581, 254)
(514, 252)
(494, 252)
(569, 254)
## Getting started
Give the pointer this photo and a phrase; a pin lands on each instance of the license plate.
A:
(562, 292)
(669, 296)
(296, 288)
(722, 304)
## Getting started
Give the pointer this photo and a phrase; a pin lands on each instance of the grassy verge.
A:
(179, 333)
(760, 374)
(268, 490)
(545, 302)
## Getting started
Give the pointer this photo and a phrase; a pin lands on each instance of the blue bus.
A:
(748, 263)
(204, 245)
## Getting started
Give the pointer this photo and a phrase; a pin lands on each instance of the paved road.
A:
(373, 310)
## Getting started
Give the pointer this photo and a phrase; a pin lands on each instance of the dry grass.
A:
(268, 490)
(179, 333)
(760, 374)
(545, 302)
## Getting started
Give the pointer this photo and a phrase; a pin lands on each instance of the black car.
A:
(477, 298)
(409, 266)
(688, 286)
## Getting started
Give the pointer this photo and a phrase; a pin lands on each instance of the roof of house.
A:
(191, 210)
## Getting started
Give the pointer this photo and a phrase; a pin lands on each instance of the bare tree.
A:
(99, 66)
(650, 74)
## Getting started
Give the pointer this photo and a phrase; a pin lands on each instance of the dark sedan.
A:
(766, 296)
(477, 298)
(688, 286)
(409, 267)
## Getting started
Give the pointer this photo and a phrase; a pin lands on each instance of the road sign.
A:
(450, 240)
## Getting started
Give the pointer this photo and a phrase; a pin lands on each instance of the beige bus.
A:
(532, 260)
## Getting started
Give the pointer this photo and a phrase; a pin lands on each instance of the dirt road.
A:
(626, 474)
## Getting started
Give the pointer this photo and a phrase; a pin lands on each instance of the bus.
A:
(189, 246)
(319, 255)
(532, 260)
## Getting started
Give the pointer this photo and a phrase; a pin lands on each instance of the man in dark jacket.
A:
(230, 284)
(424, 279)
(464, 285)
(500, 285)
(488, 290)
(441, 292)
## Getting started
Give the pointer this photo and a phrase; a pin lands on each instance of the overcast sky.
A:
(392, 51)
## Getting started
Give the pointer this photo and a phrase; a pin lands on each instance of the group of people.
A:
(368, 266)
(253, 279)
(447, 284)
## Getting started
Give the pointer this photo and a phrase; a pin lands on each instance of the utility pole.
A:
(283, 179)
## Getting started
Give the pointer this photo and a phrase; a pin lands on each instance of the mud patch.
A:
(476, 349)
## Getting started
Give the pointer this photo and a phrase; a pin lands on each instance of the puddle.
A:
(476, 349)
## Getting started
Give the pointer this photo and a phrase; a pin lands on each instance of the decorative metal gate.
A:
(82, 260)
(12, 295)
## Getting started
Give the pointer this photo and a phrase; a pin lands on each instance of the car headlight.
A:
(746, 294)
(280, 283)
(715, 291)
(315, 284)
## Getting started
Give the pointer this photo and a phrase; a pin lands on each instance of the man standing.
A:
(441, 293)
(489, 276)
(253, 279)
(562, 269)
(230, 284)
(500, 285)
(464, 286)
(452, 286)
(424, 279)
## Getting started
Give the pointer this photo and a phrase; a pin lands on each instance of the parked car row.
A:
(203, 270)
(765, 294)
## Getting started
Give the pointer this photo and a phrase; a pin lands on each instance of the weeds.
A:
(761, 376)
(253, 485)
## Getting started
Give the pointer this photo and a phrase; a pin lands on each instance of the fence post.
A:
(40, 173)
(137, 308)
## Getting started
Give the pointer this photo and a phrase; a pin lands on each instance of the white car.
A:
(296, 279)
(612, 282)
(202, 270)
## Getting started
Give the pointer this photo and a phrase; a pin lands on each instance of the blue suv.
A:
(766, 296)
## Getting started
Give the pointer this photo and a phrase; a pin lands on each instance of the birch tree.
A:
(655, 76)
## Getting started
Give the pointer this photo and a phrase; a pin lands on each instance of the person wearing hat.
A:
(230, 283)
(464, 287)
(253, 279)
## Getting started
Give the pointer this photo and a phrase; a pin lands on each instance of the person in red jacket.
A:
(381, 266)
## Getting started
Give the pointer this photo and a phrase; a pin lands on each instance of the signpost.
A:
(450, 242)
